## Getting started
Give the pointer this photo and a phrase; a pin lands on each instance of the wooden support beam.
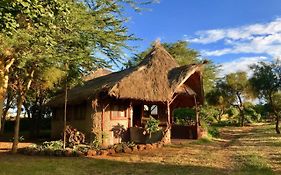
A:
(168, 113)
(102, 119)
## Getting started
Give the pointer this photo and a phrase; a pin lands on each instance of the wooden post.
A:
(64, 118)
(129, 115)
(168, 113)
(167, 135)
(196, 110)
(102, 122)
(197, 118)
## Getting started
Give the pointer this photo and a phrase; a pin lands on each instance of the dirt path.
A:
(251, 147)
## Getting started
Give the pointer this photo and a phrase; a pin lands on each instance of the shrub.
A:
(52, 145)
(213, 131)
(183, 115)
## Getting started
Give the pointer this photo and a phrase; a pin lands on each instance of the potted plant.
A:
(149, 134)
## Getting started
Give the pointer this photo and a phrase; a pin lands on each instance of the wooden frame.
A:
(125, 117)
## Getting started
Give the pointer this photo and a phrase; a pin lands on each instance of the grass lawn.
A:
(249, 150)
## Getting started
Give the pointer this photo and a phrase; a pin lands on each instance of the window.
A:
(154, 110)
(149, 110)
(118, 112)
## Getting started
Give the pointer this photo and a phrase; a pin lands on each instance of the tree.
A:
(39, 35)
(235, 88)
(217, 98)
(183, 55)
(266, 82)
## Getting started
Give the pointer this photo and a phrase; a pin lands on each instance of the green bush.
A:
(183, 115)
(52, 145)
(152, 125)
(251, 115)
(209, 114)
(213, 131)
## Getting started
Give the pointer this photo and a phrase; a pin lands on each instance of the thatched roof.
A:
(97, 73)
(155, 79)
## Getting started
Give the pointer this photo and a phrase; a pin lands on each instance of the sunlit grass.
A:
(239, 151)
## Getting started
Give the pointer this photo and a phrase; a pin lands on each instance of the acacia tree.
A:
(236, 89)
(39, 35)
(266, 82)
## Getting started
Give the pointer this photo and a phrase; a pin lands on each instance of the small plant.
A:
(151, 126)
(95, 143)
(52, 145)
(21, 139)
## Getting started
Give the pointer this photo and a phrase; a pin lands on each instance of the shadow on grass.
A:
(253, 164)
(20, 164)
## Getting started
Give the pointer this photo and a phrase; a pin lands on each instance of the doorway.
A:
(137, 114)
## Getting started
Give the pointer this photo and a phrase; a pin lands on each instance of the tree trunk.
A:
(5, 112)
(4, 80)
(3, 92)
(275, 113)
(64, 118)
(17, 124)
(220, 114)
(277, 125)
(241, 108)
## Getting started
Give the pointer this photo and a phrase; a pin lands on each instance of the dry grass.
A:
(249, 150)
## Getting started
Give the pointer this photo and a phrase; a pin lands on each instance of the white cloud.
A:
(240, 64)
(256, 38)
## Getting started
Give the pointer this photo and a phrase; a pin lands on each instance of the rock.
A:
(148, 146)
(103, 152)
(134, 148)
(80, 154)
(154, 145)
(91, 152)
(127, 150)
(141, 147)
(119, 149)
(99, 152)
(111, 151)
(68, 153)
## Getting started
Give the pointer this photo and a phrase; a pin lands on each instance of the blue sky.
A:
(234, 33)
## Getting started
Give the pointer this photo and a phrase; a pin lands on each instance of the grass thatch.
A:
(155, 79)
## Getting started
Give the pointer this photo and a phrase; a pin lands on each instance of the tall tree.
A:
(38, 35)
(236, 89)
(266, 82)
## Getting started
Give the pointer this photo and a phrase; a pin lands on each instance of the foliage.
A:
(52, 145)
(95, 143)
(209, 114)
(21, 139)
(235, 88)
(266, 82)
(152, 125)
(213, 131)
(64, 38)
(233, 115)
(251, 115)
(183, 116)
